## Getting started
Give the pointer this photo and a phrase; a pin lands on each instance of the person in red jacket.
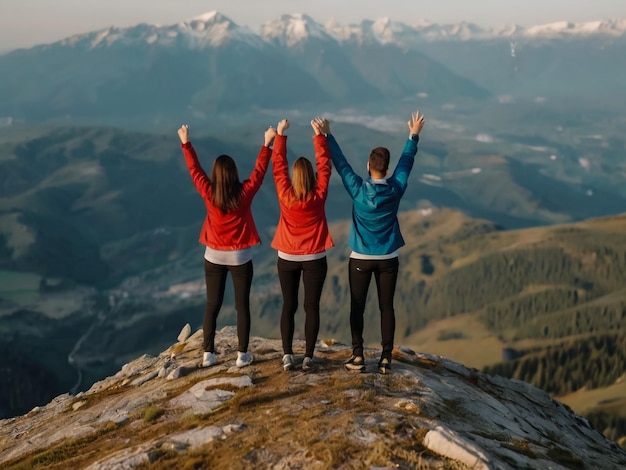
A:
(228, 233)
(302, 237)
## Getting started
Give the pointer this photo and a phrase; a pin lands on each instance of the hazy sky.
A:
(24, 23)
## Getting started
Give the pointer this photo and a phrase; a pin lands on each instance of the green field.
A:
(18, 288)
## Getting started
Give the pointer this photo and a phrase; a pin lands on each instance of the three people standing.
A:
(302, 237)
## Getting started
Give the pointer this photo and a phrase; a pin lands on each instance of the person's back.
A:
(375, 228)
(302, 227)
(302, 238)
(228, 234)
(375, 237)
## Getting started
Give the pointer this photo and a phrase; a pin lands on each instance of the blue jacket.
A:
(375, 229)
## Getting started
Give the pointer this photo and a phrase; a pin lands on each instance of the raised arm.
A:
(254, 181)
(351, 181)
(321, 128)
(279, 161)
(405, 164)
(199, 177)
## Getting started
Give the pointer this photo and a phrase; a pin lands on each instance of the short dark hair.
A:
(379, 159)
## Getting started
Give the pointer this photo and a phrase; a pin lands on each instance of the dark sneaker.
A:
(355, 363)
(384, 366)
(307, 364)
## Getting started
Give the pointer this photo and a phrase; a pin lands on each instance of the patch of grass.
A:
(58, 456)
(454, 406)
(91, 399)
(521, 447)
(152, 413)
(446, 335)
(245, 395)
(565, 458)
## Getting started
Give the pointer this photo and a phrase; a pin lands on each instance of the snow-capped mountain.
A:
(210, 64)
(290, 30)
(213, 29)
(562, 29)
(208, 30)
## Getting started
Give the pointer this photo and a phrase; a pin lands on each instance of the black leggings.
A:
(313, 277)
(215, 279)
(360, 274)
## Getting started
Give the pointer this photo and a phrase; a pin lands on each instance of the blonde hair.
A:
(303, 178)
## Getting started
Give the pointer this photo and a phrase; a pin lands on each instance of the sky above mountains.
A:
(30, 22)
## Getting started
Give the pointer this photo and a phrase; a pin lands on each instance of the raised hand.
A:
(315, 124)
(183, 133)
(282, 126)
(320, 126)
(270, 133)
(416, 123)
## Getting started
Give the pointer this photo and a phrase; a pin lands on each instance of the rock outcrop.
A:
(430, 412)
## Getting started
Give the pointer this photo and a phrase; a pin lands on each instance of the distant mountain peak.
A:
(209, 29)
(214, 29)
(294, 28)
(567, 28)
(210, 16)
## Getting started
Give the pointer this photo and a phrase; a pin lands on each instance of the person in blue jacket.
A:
(375, 237)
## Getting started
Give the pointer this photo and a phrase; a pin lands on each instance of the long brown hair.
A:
(303, 179)
(225, 184)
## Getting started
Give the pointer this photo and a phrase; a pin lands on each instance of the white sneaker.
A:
(243, 359)
(209, 359)
(288, 362)
(307, 364)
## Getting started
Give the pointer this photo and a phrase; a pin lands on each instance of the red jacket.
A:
(302, 227)
(234, 230)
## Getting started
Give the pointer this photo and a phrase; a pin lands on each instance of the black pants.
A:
(313, 277)
(215, 279)
(360, 274)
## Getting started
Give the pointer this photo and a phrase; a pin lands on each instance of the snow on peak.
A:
(213, 28)
(386, 30)
(206, 30)
(343, 32)
(383, 30)
(209, 16)
(291, 29)
(566, 28)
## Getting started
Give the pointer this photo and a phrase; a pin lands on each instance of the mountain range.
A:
(210, 64)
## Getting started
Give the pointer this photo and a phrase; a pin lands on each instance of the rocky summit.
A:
(429, 412)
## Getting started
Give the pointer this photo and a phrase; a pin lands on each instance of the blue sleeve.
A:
(351, 181)
(403, 169)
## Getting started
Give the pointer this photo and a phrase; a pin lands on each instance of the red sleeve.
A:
(281, 167)
(200, 179)
(254, 181)
(322, 159)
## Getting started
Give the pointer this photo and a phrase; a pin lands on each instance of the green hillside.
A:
(99, 252)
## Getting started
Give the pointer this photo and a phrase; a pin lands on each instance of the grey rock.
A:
(472, 419)
(184, 333)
